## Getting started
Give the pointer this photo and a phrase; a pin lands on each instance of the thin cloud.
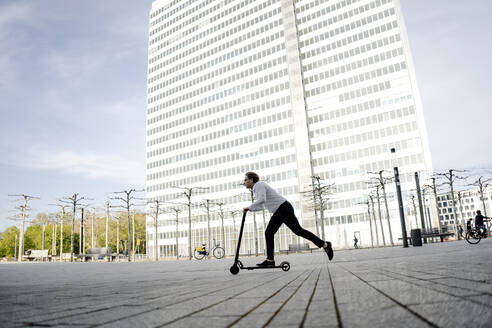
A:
(84, 164)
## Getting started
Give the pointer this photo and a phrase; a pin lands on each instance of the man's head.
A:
(479, 213)
(250, 178)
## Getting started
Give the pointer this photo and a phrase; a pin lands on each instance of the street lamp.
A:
(400, 201)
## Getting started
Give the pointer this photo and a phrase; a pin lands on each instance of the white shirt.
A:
(266, 197)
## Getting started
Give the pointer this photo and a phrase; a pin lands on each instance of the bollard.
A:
(416, 236)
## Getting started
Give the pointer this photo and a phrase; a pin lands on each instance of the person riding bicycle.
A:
(283, 212)
(479, 222)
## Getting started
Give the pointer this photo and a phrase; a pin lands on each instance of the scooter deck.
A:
(285, 266)
(257, 267)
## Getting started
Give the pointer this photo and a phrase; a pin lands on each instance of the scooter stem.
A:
(240, 237)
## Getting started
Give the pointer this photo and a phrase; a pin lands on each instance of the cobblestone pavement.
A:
(437, 285)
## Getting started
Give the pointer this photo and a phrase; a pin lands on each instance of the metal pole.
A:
(156, 234)
(429, 219)
(92, 229)
(190, 253)
(370, 223)
(53, 242)
(434, 189)
(177, 235)
(133, 235)
(81, 241)
(118, 239)
(207, 204)
(61, 233)
(107, 223)
(400, 205)
(15, 247)
(321, 209)
(421, 207)
(73, 227)
(454, 206)
(129, 245)
(44, 231)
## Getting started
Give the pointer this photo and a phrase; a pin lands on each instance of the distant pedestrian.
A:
(469, 225)
(460, 228)
(283, 212)
(355, 242)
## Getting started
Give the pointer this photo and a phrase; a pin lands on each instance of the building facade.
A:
(290, 89)
(467, 202)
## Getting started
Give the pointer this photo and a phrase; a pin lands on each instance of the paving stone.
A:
(440, 283)
(253, 320)
(406, 293)
(193, 321)
(456, 314)
(394, 317)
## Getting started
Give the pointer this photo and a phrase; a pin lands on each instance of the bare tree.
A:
(371, 199)
(93, 217)
(368, 204)
(188, 193)
(233, 215)
(107, 224)
(207, 204)
(127, 201)
(412, 197)
(482, 185)
(382, 183)
(221, 215)
(433, 187)
(320, 191)
(449, 179)
(255, 226)
(74, 201)
(176, 211)
(156, 211)
(23, 209)
(42, 219)
(117, 219)
(459, 194)
(426, 209)
(62, 219)
(52, 217)
(378, 198)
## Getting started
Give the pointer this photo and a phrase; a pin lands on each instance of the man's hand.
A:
(245, 209)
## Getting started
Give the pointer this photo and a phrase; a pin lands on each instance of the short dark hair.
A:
(478, 212)
(253, 175)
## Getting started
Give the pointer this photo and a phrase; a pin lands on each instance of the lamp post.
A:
(400, 201)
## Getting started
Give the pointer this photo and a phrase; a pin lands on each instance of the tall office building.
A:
(290, 89)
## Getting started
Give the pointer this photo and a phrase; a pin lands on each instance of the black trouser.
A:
(285, 214)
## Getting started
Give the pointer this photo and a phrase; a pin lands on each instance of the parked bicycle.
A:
(217, 251)
(473, 235)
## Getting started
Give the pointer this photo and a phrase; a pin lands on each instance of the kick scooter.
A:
(239, 265)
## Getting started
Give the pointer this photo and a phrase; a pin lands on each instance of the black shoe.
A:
(266, 264)
(329, 251)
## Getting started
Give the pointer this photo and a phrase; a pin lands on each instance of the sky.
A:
(73, 94)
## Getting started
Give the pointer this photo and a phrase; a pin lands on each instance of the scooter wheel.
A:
(234, 269)
(285, 266)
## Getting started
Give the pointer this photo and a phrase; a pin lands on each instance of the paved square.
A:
(437, 285)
